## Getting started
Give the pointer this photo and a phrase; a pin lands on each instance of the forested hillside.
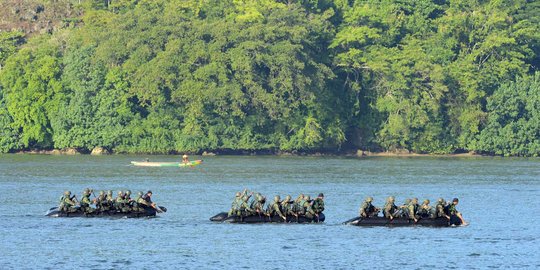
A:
(166, 76)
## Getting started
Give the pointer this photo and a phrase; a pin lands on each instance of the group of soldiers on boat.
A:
(249, 203)
(105, 202)
(411, 209)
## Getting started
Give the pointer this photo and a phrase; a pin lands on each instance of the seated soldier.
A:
(119, 201)
(404, 209)
(440, 209)
(273, 209)
(318, 204)
(367, 209)
(139, 204)
(425, 210)
(257, 205)
(244, 210)
(127, 201)
(110, 200)
(298, 206)
(287, 207)
(148, 199)
(67, 204)
(413, 209)
(452, 211)
(85, 202)
(390, 210)
(308, 208)
(101, 202)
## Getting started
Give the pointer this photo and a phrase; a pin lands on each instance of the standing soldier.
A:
(390, 210)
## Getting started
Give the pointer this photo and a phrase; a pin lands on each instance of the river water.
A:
(498, 196)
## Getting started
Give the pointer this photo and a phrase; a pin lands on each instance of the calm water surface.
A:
(499, 197)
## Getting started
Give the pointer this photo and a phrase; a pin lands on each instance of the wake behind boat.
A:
(166, 164)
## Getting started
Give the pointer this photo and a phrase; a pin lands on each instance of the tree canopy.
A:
(156, 76)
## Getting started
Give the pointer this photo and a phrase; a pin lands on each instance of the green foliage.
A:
(156, 76)
(513, 123)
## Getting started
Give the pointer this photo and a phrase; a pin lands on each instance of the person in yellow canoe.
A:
(185, 159)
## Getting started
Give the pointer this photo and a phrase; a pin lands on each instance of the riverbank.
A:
(359, 153)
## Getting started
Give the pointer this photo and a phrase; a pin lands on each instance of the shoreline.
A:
(357, 154)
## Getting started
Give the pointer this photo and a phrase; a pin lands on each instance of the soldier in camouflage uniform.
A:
(413, 209)
(318, 204)
(439, 209)
(86, 201)
(425, 210)
(404, 209)
(452, 210)
(139, 203)
(273, 209)
(308, 209)
(67, 204)
(128, 202)
(257, 206)
(367, 209)
(110, 200)
(235, 206)
(287, 207)
(101, 202)
(119, 201)
(298, 205)
(390, 210)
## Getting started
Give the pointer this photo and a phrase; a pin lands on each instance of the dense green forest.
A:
(167, 76)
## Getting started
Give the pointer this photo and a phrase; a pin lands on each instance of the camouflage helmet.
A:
(426, 201)
(287, 198)
(369, 199)
(120, 193)
(277, 198)
(101, 193)
(307, 198)
(128, 192)
(238, 194)
(391, 199)
(67, 193)
(414, 200)
(407, 201)
(440, 200)
(139, 193)
(109, 192)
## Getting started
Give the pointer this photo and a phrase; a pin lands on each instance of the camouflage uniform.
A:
(390, 210)
(413, 209)
(257, 206)
(85, 203)
(244, 209)
(298, 205)
(67, 204)
(287, 206)
(139, 203)
(101, 202)
(404, 209)
(318, 204)
(273, 209)
(235, 206)
(128, 202)
(119, 201)
(439, 209)
(425, 210)
(308, 209)
(367, 209)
